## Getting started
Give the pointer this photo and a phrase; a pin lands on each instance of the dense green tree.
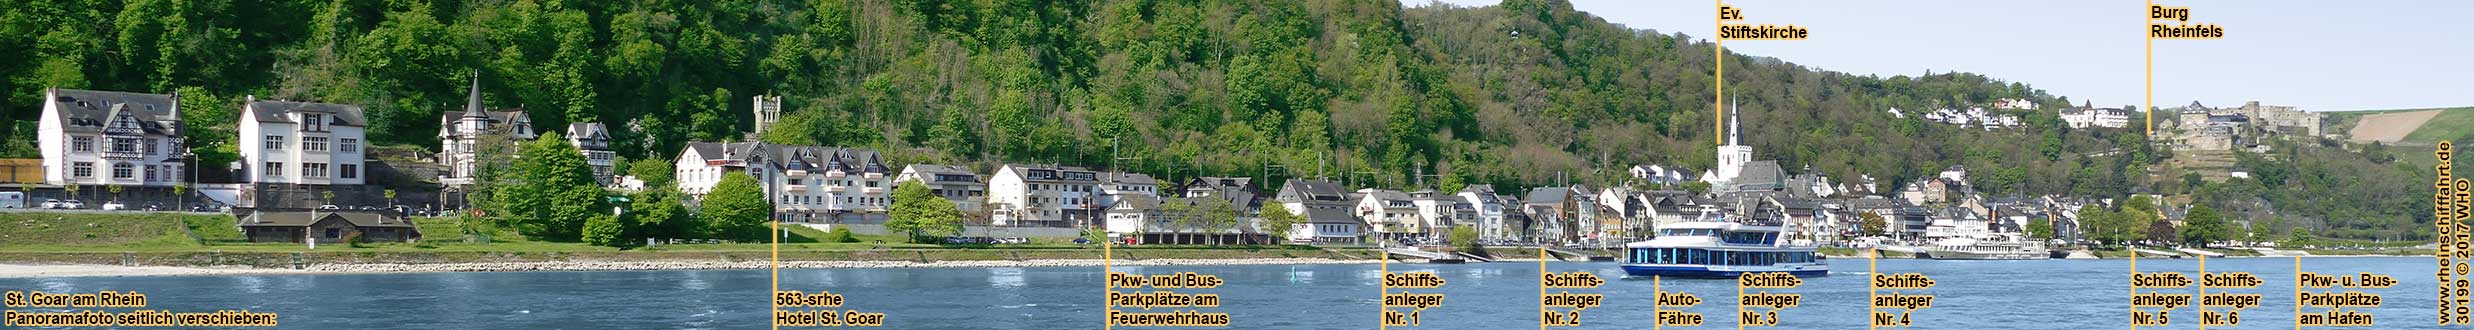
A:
(553, 192)
(1277, 219)
(656, 213)
(2040, 229)
(2202, 225)
(1872, 224)
(605, 230)
(736, 209)
(922, 215)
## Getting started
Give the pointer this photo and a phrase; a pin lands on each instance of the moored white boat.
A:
(1988, 247)
(1720, 249)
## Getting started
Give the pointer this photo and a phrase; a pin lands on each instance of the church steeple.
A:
(472, 103)
(1735, 123)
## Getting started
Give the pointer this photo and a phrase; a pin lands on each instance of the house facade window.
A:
(313, 170)
(83, 169)
(350, 170)
(272, 169)
(81, 143)
(150, 146)
(150, 173)
(313, 143)
(124, 145)
(274, 142)
(349, 145)
(123, 171)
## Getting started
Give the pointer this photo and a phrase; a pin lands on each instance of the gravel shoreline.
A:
(71, 270)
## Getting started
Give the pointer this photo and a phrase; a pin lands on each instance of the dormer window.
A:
(311, 122)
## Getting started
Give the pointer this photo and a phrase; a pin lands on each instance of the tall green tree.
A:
(922, 215)
(1277, 219)
(736, 208)
(552, 192)
(1872, 224)
(2202, 225)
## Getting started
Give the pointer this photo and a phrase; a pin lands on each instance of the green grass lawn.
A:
(2452, 124)
(24, 230)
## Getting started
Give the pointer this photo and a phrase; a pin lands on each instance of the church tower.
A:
(1734, 155)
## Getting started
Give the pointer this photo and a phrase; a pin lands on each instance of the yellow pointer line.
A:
(1656, 308)
(2297, 292)
(2202, 306)
(1872, 266)
(1541, 286)
(777, 269)
(1108, 261)
(2134, 284)
(1719, 51)
(1384, 288)
(2151, 107)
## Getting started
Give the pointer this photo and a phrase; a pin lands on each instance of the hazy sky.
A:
(2319, 55)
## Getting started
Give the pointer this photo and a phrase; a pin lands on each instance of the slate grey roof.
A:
(86, 110)
(298, 219)
(1548, 195)
(272, 112)
(1068, 174)
(708, 150)
(1317, 190)
(1389, 195)
(1131, 178)
(1482, 189)
(1329, 214)
(586, 129)
(935, 172)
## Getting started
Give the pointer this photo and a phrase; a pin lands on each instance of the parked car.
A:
(51, 203)
(329, 207)
(114, 206)
(72, 204)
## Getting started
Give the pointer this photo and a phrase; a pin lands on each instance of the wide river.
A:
(2042, 294)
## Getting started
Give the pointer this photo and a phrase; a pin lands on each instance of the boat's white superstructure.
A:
(1720, 249)
(2005, 246)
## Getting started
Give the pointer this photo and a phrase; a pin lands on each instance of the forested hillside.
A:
(1515, 95)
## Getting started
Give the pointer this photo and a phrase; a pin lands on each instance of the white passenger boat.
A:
(1720, 249)
(2005, 246)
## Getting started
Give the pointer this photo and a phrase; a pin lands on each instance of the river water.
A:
(2041, 294)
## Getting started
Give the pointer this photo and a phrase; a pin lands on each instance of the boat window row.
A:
(1693, 256)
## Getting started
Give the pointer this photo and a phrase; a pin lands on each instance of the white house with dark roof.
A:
(462, 135)
(805, 183)
(1121, 184)
(955, 183)
(1325, 210)
(1489, 210)
(594, 141)
(287, 142)
(1045, 196)
(1391, 214)
(100, 138)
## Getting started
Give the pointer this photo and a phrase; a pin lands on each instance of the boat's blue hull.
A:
(1688, 271)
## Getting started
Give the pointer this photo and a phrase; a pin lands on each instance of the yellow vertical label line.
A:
(1383, 288)
(2151, 59)
(2297, 292)
(2134, 285)
(1542, 287)
(777, 274)
(1872, 267)
(1108, 265)
(2202, 307)
(1718, 51)
(1656, 307)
